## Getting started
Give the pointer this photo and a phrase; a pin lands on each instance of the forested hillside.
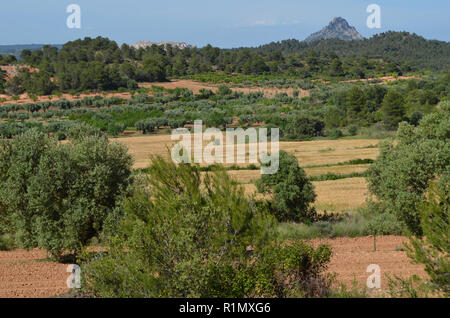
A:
(101, 64)
(398, 47)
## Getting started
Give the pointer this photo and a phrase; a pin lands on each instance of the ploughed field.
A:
(29, 274)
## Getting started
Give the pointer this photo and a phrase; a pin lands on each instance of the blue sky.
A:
(225, 23)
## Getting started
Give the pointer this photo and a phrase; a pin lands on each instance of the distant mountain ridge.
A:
(338, 28)
(397, 47)
(17, 48)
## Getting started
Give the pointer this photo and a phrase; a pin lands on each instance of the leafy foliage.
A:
(433, 251)
(194, 236)
(58, 196)
(403, 171)
(291, 190)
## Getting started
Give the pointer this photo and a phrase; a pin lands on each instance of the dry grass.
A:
(336, 195)
(340, 195)
(141, 147)
(245, 176)
(319, 152)
(250, 176)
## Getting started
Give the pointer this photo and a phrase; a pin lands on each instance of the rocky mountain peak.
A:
(338, 28)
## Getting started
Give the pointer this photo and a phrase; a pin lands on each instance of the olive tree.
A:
(401, 175)
(58, 196)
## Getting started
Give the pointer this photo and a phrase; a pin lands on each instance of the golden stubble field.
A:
(318, 157)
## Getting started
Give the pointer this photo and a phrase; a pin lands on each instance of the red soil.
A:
(28, 274)
(352, 256)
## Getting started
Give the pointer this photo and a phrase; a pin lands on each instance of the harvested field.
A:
(249, 176)
(334, 195)
(28, 274)
(340, 195)
(345, 169)
(317, 152)
(320, 152)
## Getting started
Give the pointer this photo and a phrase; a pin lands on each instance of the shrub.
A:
(433, 250)
(58, 196)
(199, 236)
(335, 133)
(302, 127)
(353, 130)
(291, 190)
(401, 175)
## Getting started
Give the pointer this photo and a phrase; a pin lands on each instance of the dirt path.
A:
(28, 274)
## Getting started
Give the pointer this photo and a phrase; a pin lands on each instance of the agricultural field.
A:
(89, 176)
(325, 156)
(29, 274)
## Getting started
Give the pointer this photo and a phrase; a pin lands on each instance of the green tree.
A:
(401, 175)
(2, 82)
(291, 190)
(433, 250)
(393, 108)
(191, 235)
(356, 104)
(58, 196)
(336, 68)
(303, 127)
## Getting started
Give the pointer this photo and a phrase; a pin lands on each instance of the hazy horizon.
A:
(201, 22)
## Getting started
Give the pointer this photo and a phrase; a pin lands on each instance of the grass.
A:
(350, 225)
(344, 163)
(340, 195)
(334, 176)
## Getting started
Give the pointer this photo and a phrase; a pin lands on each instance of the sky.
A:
(224, 23)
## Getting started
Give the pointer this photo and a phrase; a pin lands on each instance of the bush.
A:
(401, 175)
(335, 133)
(58, 196)
(6, 243)
(302, 127)
(352, 225)
(433, 250)
(291, 190)
(191, 235)
(353, 130)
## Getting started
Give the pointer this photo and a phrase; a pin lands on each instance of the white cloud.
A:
(266, 21)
